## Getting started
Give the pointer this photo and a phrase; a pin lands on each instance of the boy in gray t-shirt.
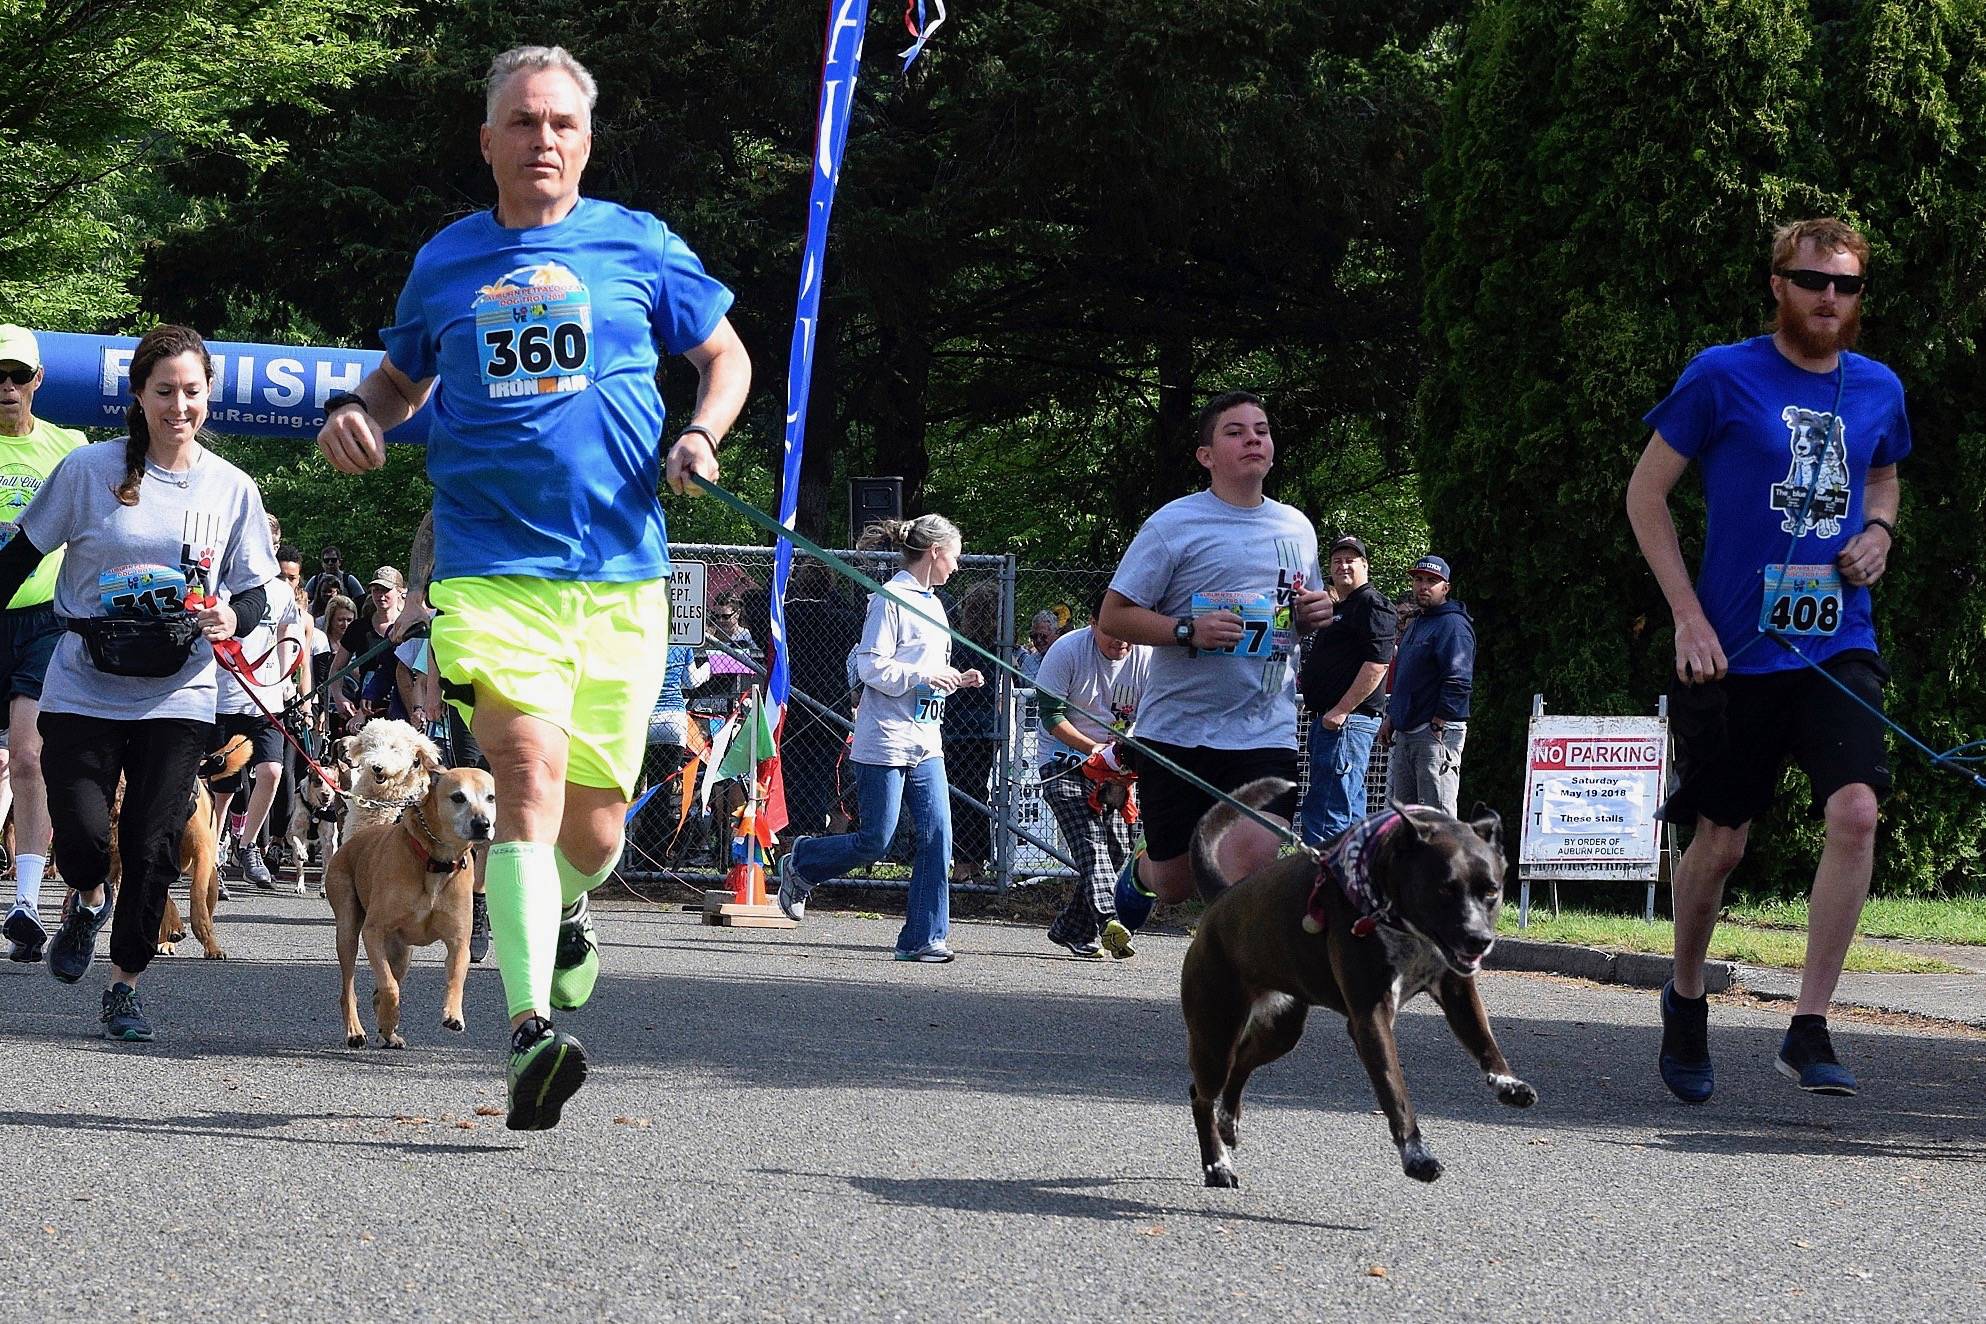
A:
(1220, 583)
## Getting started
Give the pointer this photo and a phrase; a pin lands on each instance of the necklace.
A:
(178, 478)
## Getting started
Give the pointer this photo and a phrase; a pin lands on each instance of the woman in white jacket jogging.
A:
(904, 664)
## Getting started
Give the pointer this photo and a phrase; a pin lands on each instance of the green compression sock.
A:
(523, 893)
(573, 884)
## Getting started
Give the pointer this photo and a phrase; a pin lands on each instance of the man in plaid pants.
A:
(1089, 669)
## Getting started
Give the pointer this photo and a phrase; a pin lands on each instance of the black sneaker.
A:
(1807, 1055)
(479, 927)
(123, 1018)
(1685, 1060)
(25, 935)
(547, 1067)
(75, 943)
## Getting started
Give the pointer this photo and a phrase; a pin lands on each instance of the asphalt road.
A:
(792, 1126)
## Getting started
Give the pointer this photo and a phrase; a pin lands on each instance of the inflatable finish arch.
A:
(259, 390)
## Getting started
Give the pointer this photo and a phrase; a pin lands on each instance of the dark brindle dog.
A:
(1404, 902)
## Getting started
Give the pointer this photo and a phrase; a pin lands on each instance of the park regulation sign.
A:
(1592, 786)
(686, 586)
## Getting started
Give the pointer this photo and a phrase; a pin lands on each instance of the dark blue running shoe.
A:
(1686, 1046)
(122, 1017)
(1807, 1055)
(74, 945)
(1134, 903)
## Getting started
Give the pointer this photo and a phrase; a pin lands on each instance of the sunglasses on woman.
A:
(1809, 279)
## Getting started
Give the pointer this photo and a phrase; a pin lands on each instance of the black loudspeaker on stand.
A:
(872, 499)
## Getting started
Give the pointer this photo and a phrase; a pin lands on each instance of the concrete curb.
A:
(1635, 969)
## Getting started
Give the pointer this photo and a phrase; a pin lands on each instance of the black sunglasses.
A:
(1808, 279)
(18, 376)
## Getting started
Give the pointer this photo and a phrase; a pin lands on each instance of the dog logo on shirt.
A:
(1819, 466)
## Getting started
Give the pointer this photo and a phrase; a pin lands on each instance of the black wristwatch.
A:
(1182, 632)
(1878, 522)
(339, 399)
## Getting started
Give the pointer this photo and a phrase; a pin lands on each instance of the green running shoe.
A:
(1116, 939)
(547, 1067)
(576, 968)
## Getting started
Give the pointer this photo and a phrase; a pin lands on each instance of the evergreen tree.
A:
(1610, 176)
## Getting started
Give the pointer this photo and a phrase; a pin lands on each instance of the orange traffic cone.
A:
(742, 902)
(746, 878)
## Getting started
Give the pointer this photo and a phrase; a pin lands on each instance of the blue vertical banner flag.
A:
(839, 67)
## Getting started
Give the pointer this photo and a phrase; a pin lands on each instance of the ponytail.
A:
(138, 440)
(915, 537)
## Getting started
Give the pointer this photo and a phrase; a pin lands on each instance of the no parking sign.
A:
(1592, 787)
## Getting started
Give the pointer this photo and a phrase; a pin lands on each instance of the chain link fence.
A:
(1002, 831)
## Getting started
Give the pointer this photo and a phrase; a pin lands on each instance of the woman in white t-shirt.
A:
(166, 551)
(904, 665)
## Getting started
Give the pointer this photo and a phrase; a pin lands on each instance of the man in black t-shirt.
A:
(1340, 680)
(333, 578)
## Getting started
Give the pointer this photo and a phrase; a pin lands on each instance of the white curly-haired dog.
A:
(391, 763)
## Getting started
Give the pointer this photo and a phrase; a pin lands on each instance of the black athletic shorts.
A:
(1734, 736)
(263, 738)
(1169, 808)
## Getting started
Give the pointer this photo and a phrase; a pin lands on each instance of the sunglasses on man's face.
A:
(1809, 279)
(18, 376)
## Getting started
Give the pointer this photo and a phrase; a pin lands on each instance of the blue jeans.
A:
(882, 792)
(1335, 796)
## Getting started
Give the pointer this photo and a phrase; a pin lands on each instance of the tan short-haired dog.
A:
(407, 884)
(199, 853)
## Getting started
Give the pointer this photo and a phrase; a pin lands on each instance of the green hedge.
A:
(1611, 173)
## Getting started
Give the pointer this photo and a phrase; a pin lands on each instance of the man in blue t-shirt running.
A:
(537, 326)
(1798, 441)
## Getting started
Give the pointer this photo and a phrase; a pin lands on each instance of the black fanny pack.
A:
(137, 645)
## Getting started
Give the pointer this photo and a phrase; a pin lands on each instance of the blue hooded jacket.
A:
(1437, 669)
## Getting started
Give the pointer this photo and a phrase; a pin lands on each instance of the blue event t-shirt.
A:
(1762, 429)
(545, 451)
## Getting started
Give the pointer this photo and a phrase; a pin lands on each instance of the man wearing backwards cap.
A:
(1427, 716)
(29, 449)
(1342, 669)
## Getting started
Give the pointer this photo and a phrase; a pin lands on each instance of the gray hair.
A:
(1045, 617)
(530, 59)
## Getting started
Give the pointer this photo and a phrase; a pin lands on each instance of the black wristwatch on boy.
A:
(1182, 633)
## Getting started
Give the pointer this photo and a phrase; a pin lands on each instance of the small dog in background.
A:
(199, 852)
(317, 811)
(391, 766)
(402, 885)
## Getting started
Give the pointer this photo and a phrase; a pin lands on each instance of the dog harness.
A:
(1348, 865)
(427, 858)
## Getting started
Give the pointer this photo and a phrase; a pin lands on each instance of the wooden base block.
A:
(721, 907)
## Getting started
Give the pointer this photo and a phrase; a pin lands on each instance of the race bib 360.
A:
(534, 333)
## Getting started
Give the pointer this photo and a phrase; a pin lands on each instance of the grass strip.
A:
(1958, 920)
(1784, 948)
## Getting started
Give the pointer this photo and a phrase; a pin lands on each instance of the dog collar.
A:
(1348, 865)
(418, 828)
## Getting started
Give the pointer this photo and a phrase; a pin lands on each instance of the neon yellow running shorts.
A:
(587, 657)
